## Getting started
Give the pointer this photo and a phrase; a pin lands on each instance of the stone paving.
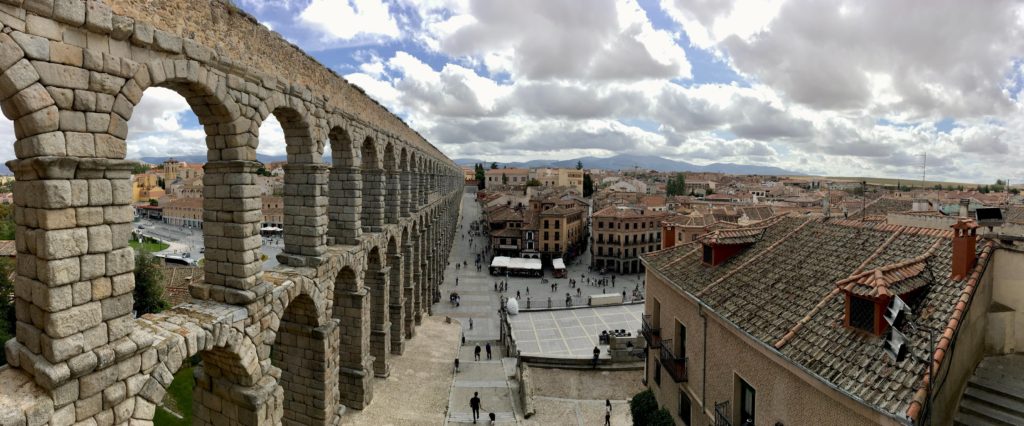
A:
(577, 397)
(416, 392)
(571, 333)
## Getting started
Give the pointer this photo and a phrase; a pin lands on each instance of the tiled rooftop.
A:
(784, 290)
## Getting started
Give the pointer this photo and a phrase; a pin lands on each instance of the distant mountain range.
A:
(649, 162)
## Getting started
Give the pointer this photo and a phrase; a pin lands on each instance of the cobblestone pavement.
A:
(417, 391)
(577, 397)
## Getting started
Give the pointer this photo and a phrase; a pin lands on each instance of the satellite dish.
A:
(896, 345)
(896, 312)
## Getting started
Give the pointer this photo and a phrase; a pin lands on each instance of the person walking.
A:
(456, 365)
(488, 348)
(476, 353)
(474, 404)
(607, 413)
(471, 323)
(597, 353)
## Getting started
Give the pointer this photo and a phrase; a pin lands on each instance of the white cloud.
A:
(347, 19)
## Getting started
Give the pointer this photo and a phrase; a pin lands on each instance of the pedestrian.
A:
(492, 416)
(607, 413)
(488, 348)
(597, 353)
(456, 281)
(456, 365)
(474, 403)
(476, 353)
(471, 323)
(623, 296)
(517, 294)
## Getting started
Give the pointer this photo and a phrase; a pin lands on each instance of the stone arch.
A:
(376, 278)
(373, 187)
(396, 288)
(345, 187)
(307, 373)
(305, 185)
(405, 176)
(229, 384)
(352, 310)
(392, 200)
(28, 104)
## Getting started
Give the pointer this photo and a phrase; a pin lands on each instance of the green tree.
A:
(7, 318)
(533, 182)
(494, 166)
(149, 290)
(139, 168)
(579, 165)
(6, 222)
(676, 185)
(588, 185)
(480, 175)
(154, 202)
(643, 407)
(504, 179)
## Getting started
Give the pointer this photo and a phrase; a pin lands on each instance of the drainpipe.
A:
(704, 359)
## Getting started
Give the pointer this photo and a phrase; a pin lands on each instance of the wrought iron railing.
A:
(651, 333)
(722, 414)
(675, 366)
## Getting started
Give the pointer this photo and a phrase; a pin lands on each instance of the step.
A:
(964, 419)
(1006, 388)
(467, 417)
(989, 412)
(1010, 405)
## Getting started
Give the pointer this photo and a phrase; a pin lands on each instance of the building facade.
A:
(621, 234)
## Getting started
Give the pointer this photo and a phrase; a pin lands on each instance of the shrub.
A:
(644, 408)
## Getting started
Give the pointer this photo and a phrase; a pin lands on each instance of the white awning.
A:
(271, 229)
(558, 264)
(500, 262)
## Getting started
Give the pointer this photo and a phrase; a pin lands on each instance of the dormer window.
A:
(862, 314)
(869, 292)
(708, 254)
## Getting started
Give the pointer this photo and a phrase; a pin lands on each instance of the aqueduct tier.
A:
(291, 345)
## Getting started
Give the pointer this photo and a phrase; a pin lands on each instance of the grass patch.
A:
(149, 246)
(178, 399)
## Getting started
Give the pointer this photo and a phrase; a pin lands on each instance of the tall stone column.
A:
(396, 307)
(420, 277)
(352, 309)
(73, 289)
(409, 289)
(305, 214)
(406, 192)
(420, 180)
(392, 198)
(380, 329)
(373, 200)
(345, 205)
(309, 372)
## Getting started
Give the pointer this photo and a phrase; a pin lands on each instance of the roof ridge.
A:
(791, 334)
(732, 271)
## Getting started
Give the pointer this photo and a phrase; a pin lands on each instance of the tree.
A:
(7, 222)
(494, 166)
(479, 175)
(588, 185)
(579, 165)
(139, 168)
(149, 290)
(643, 406)
(504, 179)
(676, 185)
(7, 318)
(533, 182)
(154, 202)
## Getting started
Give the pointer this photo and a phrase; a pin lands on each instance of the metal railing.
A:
(722, 414)
(651, 334)
(675, 366)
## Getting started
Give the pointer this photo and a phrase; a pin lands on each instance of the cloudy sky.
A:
(860, 87)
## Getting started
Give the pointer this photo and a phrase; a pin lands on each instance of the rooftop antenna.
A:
(924, 168)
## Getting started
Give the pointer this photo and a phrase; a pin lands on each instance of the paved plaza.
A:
(571, 333)
(183, 239)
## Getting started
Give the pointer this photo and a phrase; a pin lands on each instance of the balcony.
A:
(651, 334)
(675, 366)
(722, 414)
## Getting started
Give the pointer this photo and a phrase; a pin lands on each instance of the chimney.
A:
(668, 235)
(964, 204)
(965, 240)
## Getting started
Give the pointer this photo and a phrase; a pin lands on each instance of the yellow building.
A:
(559, 177)
(146, 186)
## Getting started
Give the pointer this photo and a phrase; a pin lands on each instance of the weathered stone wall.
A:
(284, 346)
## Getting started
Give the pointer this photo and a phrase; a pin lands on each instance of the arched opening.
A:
(376, 281)
(409, 288)
(405, 177)
(373, 188)
(351, 308)
(391, 176)
(396, 297)
(309, 375)
(293, 191)
(345, 190)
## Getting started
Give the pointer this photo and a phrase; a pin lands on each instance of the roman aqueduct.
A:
(364, 234)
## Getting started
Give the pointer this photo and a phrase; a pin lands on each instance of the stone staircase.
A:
(492, 379)
(995, 393)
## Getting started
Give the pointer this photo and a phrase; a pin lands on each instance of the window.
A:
(657, 372)
(545, 223)
(862, 314)
(558, 247)
(684, 407)
(747, 396)
(558, 224)
(600, 225)
(600, 251)
(545, 235)
(707, 254)
(545, 247)
(680, 339)
(557, 235)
